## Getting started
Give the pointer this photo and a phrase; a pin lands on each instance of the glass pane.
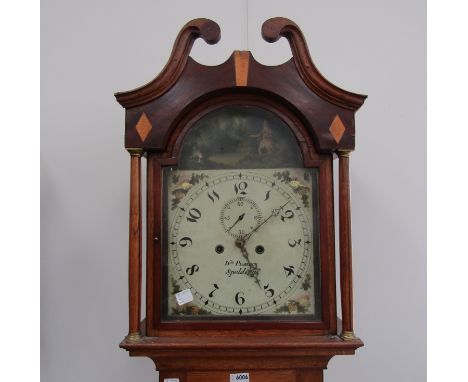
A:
(240, 223)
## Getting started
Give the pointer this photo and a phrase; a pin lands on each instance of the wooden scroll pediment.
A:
(154, 110)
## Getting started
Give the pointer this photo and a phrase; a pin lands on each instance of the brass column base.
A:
(347, 336)
(134, 337)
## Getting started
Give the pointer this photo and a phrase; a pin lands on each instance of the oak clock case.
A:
(241, 272)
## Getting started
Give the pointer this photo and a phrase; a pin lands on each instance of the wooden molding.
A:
(277, 27)
(207, 29)
(267, 359)
(225, 346)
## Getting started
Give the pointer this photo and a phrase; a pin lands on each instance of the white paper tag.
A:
(171, 379)
(184, 297)
(239, 377)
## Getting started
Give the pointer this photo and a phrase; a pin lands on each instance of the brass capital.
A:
(135, 152)
(133, 337)
(347, 336)
(344, 153)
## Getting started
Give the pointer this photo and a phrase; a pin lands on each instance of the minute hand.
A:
(275, 212)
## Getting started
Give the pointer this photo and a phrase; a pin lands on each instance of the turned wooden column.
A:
(134, 253)
(346, 268)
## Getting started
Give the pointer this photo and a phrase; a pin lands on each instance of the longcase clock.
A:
(240, 254)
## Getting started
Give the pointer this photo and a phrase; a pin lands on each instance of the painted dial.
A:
(242, 243)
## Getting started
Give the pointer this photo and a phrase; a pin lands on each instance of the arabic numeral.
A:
(288, 214)
(289, 270)
(292, 243)
(240, 188)
(212, 195)
(185, 241)
(239, 298)
(216, 287)
(194, 215)
(191, 270)
(269, 292)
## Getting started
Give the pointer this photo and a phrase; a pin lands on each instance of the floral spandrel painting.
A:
(240, 137)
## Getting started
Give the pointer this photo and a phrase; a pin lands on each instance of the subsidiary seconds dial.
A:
(239, 216)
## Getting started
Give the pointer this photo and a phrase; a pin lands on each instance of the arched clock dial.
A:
(241, 242)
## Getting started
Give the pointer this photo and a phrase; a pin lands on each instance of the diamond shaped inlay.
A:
(337, 129)
(143, 127)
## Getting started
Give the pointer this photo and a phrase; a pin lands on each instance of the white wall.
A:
(90, 49)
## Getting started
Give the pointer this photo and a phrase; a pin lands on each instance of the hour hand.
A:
(237, 221)
(240, 243)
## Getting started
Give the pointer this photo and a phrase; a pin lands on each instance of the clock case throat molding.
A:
(321, 116)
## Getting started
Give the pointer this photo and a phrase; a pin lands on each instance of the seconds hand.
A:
(237, 221)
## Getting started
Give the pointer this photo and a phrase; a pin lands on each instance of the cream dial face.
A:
(241, 241)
